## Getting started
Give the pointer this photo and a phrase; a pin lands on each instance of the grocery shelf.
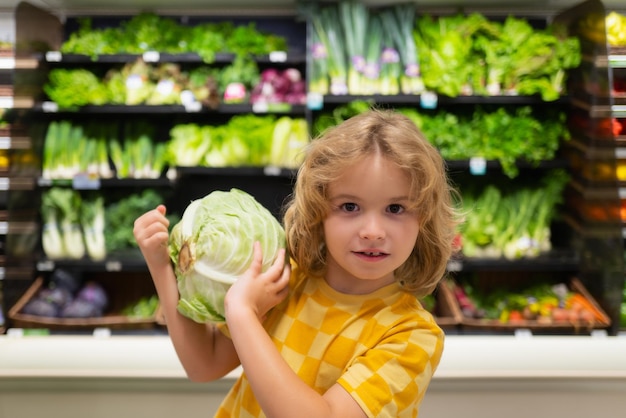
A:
(416, 99)
(129, 261)
(555, 260)
(196, 107)
(155, 56)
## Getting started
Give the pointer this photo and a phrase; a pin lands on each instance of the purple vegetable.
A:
(41, 307)
(292, 74)
(80, 308)
(95, 294)
(58, 296)
(65, 279)
(269, 74)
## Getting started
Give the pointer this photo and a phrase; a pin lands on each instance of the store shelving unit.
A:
(596, 191)
(18, 212)
(485, 374)
(594, 253)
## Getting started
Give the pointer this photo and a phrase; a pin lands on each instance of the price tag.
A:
(620, 153)
(314, 101)
(5, 183)
(7, 63)
(54, 56)
(4, 227)
(83, 182)
(113, 265)
(278, 56)
(5, 142)
(47, 265)
(272, 171)
(151, 56)
(455, 266)
(260, 107)
(192, 107)
(524, 333)
(101, 332)
(6, 102)
(44, 182)
(478, 166)
(428, 100)
(599, 333)
(50, 107)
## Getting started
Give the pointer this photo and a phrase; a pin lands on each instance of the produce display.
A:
(62, 215)
(509, 221)
(362, 51)
(66, 299)
(67, 296)
(96, 150)
(212, 246)
(150, 32)
(245, 140)
(76, 225)
(145, 307)
(505, 135)
(355, 50)
(141, 83)
(543, 304)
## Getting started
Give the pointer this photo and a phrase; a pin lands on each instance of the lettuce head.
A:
(212, 246)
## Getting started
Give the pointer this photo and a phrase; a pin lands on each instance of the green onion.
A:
(371, 72)
(328, 28)
(318, 75)
(399, 21)
(390, 66)
(355, 19)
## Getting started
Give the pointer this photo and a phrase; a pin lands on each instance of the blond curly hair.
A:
(397, 138)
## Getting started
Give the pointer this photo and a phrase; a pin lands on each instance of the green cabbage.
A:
(211, 247)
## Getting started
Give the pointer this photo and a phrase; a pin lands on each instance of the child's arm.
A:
(205, 353)
(278, 389)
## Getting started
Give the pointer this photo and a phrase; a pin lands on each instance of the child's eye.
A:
(350, 207)
(395, 208)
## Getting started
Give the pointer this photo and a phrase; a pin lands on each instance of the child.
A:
(339, 331)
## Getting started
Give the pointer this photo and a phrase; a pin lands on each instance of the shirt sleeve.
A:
(390, 379)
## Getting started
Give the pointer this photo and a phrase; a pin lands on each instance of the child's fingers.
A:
(257, 258)
(283, 282)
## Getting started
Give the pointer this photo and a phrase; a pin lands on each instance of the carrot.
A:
(579, 302)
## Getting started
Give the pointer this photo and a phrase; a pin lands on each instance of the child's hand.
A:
(151, 233)
(258, 292)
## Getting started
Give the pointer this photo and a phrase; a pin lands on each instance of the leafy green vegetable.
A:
(120, 215)
(211, 247)
(504, 134)
(145, 307)
(511, 221)
(62, 234)
(150, 32)
(92, 223)
(71, 88)
(470, 54)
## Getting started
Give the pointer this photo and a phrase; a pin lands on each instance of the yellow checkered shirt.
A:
(382, 348)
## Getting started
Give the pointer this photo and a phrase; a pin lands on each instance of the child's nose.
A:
(372, 228)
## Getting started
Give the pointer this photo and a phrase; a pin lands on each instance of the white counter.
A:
(479, 376)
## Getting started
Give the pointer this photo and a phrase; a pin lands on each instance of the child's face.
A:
(369, 232)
